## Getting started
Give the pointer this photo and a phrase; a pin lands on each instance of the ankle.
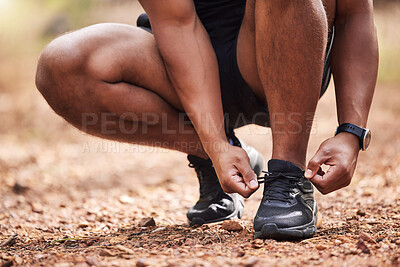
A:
(283, 166)
(299, 162)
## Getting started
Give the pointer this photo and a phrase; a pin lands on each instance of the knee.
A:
(317, 12)
(56, 63)
(311, 11)
(307, 10)
(57, 67)
(308, 15)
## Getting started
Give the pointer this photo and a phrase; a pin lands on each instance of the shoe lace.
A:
(278, 186)
(207, 177)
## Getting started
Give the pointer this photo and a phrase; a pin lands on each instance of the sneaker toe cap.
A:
(285, 220)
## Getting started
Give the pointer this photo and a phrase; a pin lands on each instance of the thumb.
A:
(315, 163)
(249, 176)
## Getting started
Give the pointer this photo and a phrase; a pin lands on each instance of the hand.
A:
(340, 153)
(234, 172)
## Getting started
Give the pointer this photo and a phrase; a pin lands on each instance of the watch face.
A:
(367, 139)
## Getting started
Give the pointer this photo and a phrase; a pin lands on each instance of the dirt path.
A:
(67, 199)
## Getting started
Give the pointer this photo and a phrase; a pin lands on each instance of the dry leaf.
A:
(363, 247)
(147, 222)
(231, 226)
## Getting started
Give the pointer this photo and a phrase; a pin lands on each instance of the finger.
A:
(237, 185)
(234, 184)
(322, 185)
(317, 176)
(335, 178)
(249, 176)
(315, 163)
(316, 181)
(331, 181)
(320, 172)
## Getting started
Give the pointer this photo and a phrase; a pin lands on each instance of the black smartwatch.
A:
(364, 135)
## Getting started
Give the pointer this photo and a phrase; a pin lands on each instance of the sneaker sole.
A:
(237, 214)
(272, 231)
(257, 163)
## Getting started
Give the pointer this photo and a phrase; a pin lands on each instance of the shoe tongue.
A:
(282, 166)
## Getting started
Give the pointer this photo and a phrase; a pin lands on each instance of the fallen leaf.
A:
(37, 207)
(258, 243)
(125, 199)
(18, 260)
(239, 252)
(372, 221)
(397, 216)
(363, 247)
(250, 262)
(117, 239)
(231, 226)
(7, 264)
(190, 242)
(321, 247)
(366, 238)
(125, 249)
(83, 224)
(159, 229)
(147, 222)
(9, 241)
(92, 261)
(361, 213)
(106, 253)
(141, 263)
(19, 189)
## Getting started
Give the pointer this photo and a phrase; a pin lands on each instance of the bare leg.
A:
(109, 80)
(289, 48)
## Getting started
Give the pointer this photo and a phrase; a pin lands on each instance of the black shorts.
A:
(241, 106)
(222, 20)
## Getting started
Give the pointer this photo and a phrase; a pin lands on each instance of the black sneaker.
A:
(287, 210)
(214, 204)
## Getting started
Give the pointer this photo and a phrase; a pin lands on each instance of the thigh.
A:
(119, 53)
(246, 52)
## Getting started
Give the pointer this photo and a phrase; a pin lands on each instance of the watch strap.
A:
(354, 129)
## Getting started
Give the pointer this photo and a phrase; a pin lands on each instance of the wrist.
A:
(350, 139)
(357, 120)
(363, 135)
(215, 146)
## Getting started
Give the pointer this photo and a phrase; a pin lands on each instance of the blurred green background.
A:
(68, 173)
(26, 26)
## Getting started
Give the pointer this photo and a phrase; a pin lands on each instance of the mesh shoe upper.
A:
(287, 199)
(213, 202)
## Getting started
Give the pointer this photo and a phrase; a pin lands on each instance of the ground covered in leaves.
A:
(68, 199)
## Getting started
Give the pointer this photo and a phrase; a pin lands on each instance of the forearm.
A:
(355, 67)
(192, 67)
